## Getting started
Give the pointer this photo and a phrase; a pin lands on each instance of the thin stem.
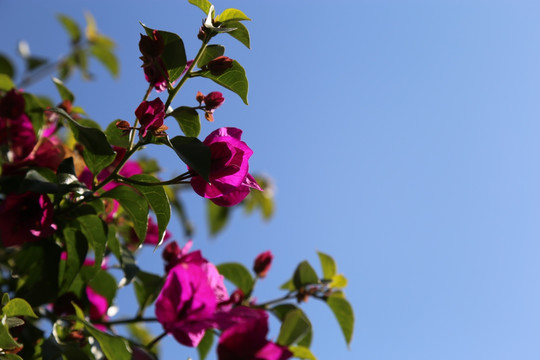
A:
(156, 340)
(177, 180)
(174, 91)
(133, 130)
(128, 321)
(289, 295)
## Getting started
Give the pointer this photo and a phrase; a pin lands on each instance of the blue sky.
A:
(403, 140)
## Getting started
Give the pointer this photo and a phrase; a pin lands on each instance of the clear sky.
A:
(403, 138)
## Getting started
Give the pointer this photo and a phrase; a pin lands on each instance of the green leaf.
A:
(280, 311)
(194, 153)
(288, 285)
(233, 79)
(238, 275)
(188, 119)
(328, 265)
(304, 275)
(301, 352)
(294, 327)
(113, 242)
(210, 53)
(34, 108)
(231, 15)
(147, 287)
(204, 5)
(64, 92)
(129, 266)
(115, 136)
(93, 139)
(104, 284)
(135, 205)
(240, 32)
(106, 57)
(18, 307)
(6, 66)
(114, 347)
(33, 62)
(338, 281)
(95, 231)
(10, 357)
(71, 27)
(6, 83)
(218, 216)
(343, 312)
(174, 53)
(76, 248)
(6, 340)
(205, 345)
(5, 299)
(158, 201)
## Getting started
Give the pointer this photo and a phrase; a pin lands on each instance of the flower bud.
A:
(171, 252)
(213, 100)
(152, 47)
(262, 263)
(199, 97)
(219, 65)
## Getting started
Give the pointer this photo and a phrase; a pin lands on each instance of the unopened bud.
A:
(262, 263)
(219, 65)
(199, 97)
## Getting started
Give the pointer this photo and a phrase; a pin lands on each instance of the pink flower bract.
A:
(230, 181)
(150, 115)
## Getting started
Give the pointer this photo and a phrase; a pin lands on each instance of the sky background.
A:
(402, 137)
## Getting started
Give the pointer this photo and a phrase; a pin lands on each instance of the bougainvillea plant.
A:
(77, 201)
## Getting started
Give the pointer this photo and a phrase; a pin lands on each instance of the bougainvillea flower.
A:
(150, 115)
(245, 337)
(262, 263)
(25, 218)
(186, 304)
(230, 181)
(98, 307)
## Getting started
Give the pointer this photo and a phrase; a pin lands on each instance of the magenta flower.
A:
(98, 307)
(151, 115)
(25, 218)
(262, 263)
(186, 304)
(230, 181)
(245, 337)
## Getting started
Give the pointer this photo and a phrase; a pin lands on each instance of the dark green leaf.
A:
(206, 344)
(106, 57)
(240, 33)
(71, 27)
(218, 216)
(134, 204)
(294, 327)
(238, 275)
(104, 284)
(158, 201)
(129, 266)
(95, 231)
(188, 119)
(35, 182)
(301, 352)
(210, 53)
(304, 275)
(5, 299)
(113, 242)
(64, 92)
(114, 347)
(6, 83)
(6, 340)
(280, 311)
(328, 265)
(10, 357)
(204, 5)
(33, 62)
(174, 54)
(34, 108)
(233, 79)
(6, 67)
(93, 139)
(194, 153)
(343, 312)
(77, 248)
(115, 136)
(231, 15)
(18, 307)
(147, 287)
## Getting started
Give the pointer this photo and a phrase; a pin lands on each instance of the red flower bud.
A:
(262, 263)
(213, 100)
(219, 65)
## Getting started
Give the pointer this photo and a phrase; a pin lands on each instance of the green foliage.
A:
(6, 83)
(204, 5)
(240, 33)
(174, 54)
(218, 216)
(210, 53)
(295, 326)
(301, 352)
(238, 275)
(6, 67)
(115, 136)
(147, 287)
(231, 15)
(71, 27)
(64, 92)
(343, 312)
(205, 345)
(188, 119)
(304, 275)
(194, 153)
(135, 205)
(233, 79)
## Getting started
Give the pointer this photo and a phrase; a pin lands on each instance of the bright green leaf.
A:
(281, 310)
(343, 312)
(64, 92)
(233, 79)
(218, 216)
(231, 15)
(304, 275)
(158, 201)
(301, 352)
(107, 58)
(338, 281)
(5, 299)
(188, 119)
(288, 285)
(71, 27)
(134, 204)
(18, 307)
(294, 327)
(194, 153)
(204, 5)
(6, 340)
(240, 33)
(210, 53)
(6, 83)
(328, 265)
(238, 275)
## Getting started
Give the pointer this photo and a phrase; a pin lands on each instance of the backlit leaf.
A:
(328, 265)
(210, 53)
(240, 32)
(188, 119)
(71, 27)
(18, 307)
(233, 79)
(238, 275)
(204, 5)
(231, 15)
(343, 312)
(134, 204)
(295, 325)
(304, 275)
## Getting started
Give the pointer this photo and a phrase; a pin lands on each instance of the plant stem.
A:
(156, 340)
(177, 180)
(289, 295)
(128, 321)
